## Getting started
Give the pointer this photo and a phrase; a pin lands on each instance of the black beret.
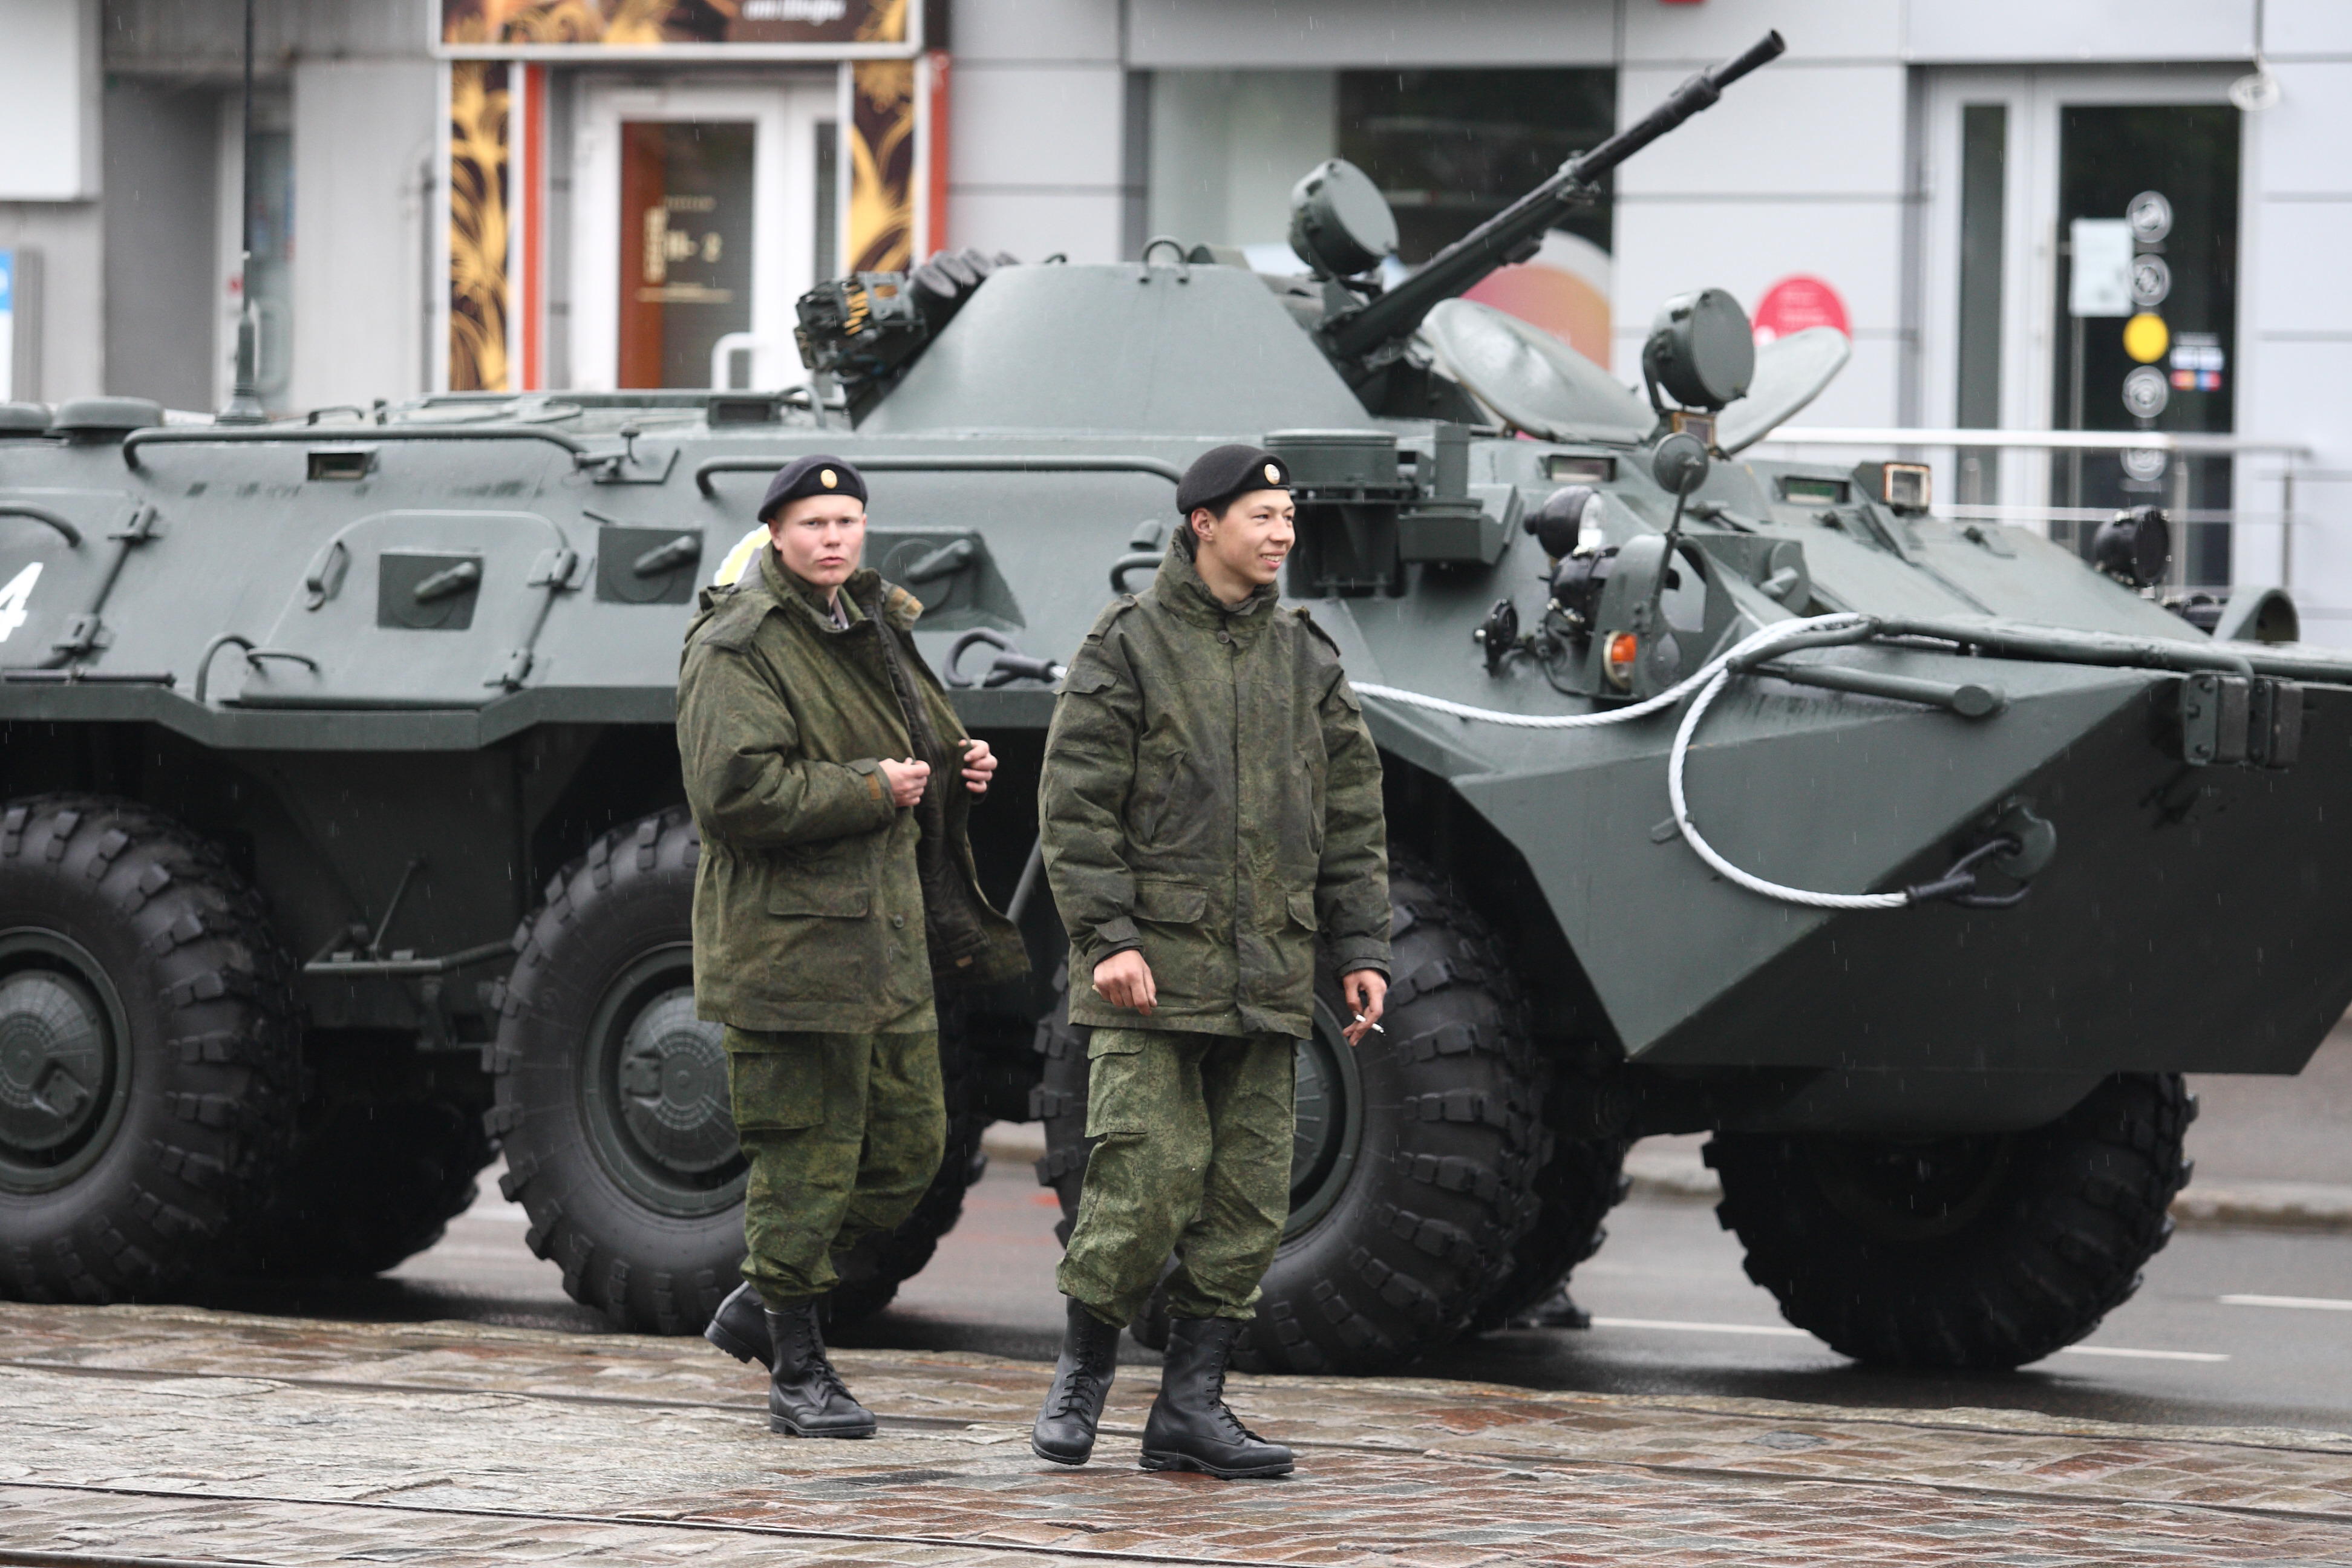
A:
(1221, 473)
(815, 475)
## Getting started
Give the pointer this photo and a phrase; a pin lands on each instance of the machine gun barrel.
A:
(1512, 233)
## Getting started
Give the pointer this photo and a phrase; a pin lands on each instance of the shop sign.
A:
(1795, 303)
(678, 29)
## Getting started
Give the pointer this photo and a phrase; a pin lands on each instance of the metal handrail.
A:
(189, 434)
(43, 515)
(945, 463)
(2294, 464)
(2188, 442)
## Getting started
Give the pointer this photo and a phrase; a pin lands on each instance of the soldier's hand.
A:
(1123, 980)
(906, 781)
(979, 763)
(1367, 991)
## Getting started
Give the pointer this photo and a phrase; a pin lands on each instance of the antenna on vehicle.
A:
(245, 393)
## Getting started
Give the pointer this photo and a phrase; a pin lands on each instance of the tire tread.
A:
(214, 1023)
(2084, 1205)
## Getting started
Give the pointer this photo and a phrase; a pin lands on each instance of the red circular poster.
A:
(1795, 303)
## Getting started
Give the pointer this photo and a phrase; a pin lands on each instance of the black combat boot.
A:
(806, 1398)
(1064, 1431)
(1190, 1427)
(740, 1327)
(1557, 1311)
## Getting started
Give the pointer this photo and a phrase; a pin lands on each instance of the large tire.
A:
(372, 1182)
(148, 1044)
(1984, 1252)
(1416, 1156)
(1582, 1181)
(612, 1100)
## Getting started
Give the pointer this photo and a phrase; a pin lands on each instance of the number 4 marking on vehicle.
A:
(13, 599)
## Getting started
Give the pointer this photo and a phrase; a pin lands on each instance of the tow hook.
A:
(2021, 845)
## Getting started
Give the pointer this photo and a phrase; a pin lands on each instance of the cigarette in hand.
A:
(1376, 1028)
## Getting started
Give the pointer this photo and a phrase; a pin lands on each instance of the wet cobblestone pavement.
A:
(167, 1435)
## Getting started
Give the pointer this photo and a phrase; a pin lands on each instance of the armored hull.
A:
(343, 840)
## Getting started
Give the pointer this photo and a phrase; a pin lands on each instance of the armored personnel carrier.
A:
(343, 843)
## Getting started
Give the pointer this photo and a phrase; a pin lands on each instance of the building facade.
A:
(2078, 214)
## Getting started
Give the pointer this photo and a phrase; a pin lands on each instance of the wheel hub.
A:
(673, 1086)
(1317, 1112)
(56, 1056)
(654, 1090)
(1913, 1192)
(1327, 1122)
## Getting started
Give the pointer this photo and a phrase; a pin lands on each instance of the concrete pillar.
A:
(364, 133)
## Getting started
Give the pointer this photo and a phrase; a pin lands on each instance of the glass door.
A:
(2150, 346)
(685, 247)
(704, 210)
(2020, 332)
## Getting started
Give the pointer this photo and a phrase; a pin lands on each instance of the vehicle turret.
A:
(861, 333)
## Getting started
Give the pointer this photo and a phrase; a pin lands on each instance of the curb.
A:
(1678, 1178)
(2279, 1205)
(1015, 1143)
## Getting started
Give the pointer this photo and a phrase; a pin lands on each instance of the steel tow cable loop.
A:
(1817, 631)
(1958, 885)
(1676, 760)
(1709, 680)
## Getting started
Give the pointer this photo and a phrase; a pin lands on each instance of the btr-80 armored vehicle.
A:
(343, 843)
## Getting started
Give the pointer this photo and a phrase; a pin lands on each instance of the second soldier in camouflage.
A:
(1211, 809)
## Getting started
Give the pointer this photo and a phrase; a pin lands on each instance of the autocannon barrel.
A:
(1512, 233)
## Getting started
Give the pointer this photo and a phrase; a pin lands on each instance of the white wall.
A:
(2066, 32)
(1800, 169)
(49, 179)
(2294, 310)
(1227, 146)
(362, 129)
(49, 100)
(1037, 117)
(1256, 34)
(73, 293)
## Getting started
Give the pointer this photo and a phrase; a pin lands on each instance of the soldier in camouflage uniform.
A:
(1210, 806)
(836, 885)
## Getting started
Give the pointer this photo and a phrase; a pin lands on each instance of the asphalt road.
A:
(1674, 1313)
(1675, 1316)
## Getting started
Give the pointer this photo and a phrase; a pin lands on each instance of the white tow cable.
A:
(1812, 631)
(1706, 852)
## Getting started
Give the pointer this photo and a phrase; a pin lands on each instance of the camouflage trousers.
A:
(1193, 1158)
(842, 1135)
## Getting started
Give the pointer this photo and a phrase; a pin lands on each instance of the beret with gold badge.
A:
(815, 475)
(1221, 473)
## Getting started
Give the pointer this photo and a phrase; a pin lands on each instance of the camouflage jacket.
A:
(809, 908)
(1211, 795)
